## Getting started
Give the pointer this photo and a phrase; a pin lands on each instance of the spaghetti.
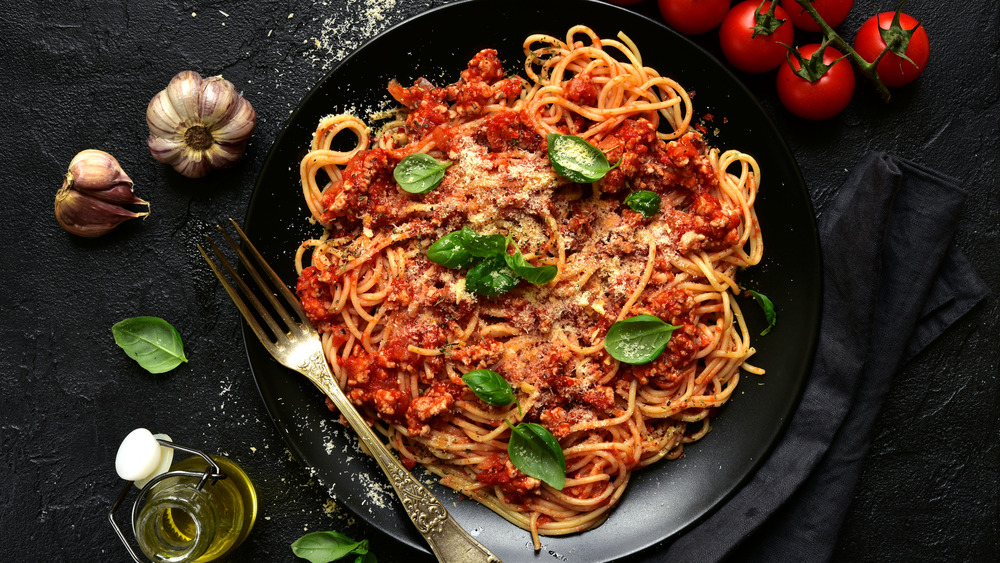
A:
(400, 331)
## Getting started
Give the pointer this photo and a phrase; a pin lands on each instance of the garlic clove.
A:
(161, 117)
(166, 149)
(93, 169)
(238, 128)
(94, 191)
(220, 156)
(184, 94)
(119, 194)
(99, 175)
(193, 164)
(218, 100)
(90, 217)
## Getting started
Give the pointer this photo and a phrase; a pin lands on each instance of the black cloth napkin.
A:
(893, 281)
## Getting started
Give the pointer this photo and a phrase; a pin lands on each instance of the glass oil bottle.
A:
(199, 510)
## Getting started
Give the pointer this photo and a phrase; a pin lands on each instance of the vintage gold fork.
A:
(296, 345)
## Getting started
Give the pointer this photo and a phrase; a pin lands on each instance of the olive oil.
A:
(181, 523)
(179, 526)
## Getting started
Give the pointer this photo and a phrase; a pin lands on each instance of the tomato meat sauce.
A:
(508, 158)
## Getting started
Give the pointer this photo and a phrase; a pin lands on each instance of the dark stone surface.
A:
(78, 75)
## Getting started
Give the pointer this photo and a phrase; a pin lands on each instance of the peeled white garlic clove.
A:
(94, 191)
(197, 125)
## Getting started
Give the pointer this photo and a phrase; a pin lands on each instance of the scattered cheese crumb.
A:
(332, 42)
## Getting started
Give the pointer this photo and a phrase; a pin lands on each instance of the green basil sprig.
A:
(459, 249)
(535, 451)
(151, 341)
(490, 386)
(491, 277)
(493, 272)
(450, 252)
(576, 159)
(768, 307)
(324, 547)
(483, 246)
(638, 340)
(644, 202)
(538, 275)
(419, 173)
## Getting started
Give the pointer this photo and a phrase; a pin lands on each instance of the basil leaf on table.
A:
(491, 277)
(419, 173)
(768, 307)
(538, 275)
(489, 386)
(324, 547)
(576, 159)
(644, 202)
(450, 252)
(535, 451)
(151, 341)
(638, 340)
(483, 246)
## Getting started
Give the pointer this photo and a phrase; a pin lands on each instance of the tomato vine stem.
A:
(866, 68)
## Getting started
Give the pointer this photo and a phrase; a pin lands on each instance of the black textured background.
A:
(77, 75)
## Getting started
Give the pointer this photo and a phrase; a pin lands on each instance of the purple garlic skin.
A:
(94, 191)
(197, 125)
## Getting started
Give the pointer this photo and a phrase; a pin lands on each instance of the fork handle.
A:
(447, 539)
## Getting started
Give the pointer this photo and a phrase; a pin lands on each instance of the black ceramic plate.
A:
(662, 500)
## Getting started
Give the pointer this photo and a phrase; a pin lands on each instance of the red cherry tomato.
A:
(692, 17)
(749, 53)
(833, 12)
(893, 70)
(822, 99)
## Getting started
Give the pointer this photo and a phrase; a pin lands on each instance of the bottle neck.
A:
(177, 524)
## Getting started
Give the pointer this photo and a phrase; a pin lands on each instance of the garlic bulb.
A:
(94, 191)
(197, 125)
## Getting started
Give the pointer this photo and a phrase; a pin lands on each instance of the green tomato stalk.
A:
(896, 39)
(766, 23)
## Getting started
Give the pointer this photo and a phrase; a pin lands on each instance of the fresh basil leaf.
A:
(644, 202)
(483, 246)
(576, 159)
(538, 275)
(491, 277)
(638, 340)
(535, 451)
(324, 547)
(489, 386)
(419, 173)
(150, 341)
(765, 304)
(450, 252)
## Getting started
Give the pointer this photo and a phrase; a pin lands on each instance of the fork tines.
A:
(278, 334)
